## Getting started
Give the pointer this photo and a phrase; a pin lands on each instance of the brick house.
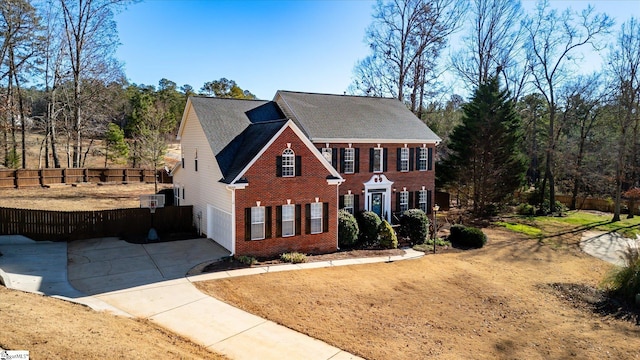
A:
(267, 177)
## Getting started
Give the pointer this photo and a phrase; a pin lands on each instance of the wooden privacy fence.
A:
(594, 203)
(15, 178)
(76, 225)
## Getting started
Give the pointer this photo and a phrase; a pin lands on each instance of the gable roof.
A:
(239, 130)
(347, 118)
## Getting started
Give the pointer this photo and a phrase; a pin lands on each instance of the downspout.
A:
(233, 221)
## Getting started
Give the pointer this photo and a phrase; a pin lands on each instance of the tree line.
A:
(535, 123)
(59, 78)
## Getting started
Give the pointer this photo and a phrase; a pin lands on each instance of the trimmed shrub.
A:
(293, 257)
(414, 224)
(469, 237)
(368, 223)
(347, 229)
(387, 236)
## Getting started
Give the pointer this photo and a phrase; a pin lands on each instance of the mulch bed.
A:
(597, 301)
(232, 263)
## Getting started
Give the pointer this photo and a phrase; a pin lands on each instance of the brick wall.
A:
(273, 191)
(413, 180)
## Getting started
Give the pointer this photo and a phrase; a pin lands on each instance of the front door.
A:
(377, 205)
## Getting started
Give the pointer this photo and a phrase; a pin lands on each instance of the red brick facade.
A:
(413, 180)
(272, 191)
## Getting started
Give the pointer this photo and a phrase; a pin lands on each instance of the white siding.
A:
(202, 187)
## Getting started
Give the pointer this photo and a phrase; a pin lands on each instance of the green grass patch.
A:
(626, 227)
(521, 228)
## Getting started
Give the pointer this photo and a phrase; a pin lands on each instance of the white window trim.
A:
(404, 159)
(381, 164)
(254, 222)
(425, 159)
(349, 160)
(292, 220)
(327, 153)
(404, 201)
(422, 200)
(317, 216)
(349, 207)
(287, 155)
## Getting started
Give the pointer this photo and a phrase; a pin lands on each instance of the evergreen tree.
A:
(485, 154)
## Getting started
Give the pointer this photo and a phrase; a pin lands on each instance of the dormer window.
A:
(288, 163)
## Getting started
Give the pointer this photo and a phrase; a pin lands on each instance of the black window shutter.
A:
(298, 219)
(385, 157)
(411, 155)
(342, 160)
(247, 223)
(399, 159)
(325, 217)
(307, 216)
(429, 159)
(410, 199)
(278, 221)
(357, 160)
(196, 165)
(267, 222)
(298, 165)
(398, 201)
(356, 204)
(279, 166)
(341, 201)
(417, 158)
(371, 160)
(334, 158)
(428, 201)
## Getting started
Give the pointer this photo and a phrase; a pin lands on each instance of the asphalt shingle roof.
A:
(326, 116)
(237, 129)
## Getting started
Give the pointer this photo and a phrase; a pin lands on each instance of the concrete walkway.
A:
(607, 246)
(148, 281)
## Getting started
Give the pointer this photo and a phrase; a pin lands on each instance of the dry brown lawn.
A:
(54, 329)
(492, 303)
(71, 198)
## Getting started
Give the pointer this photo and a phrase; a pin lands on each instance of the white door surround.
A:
(378, 184)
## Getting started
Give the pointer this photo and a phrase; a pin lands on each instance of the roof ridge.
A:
(268, 121)
(342, 95)
(223, 98)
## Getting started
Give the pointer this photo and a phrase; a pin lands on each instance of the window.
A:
(404, 201)
(327, 153)
(288, 220)
(404, 159)
(257, 222)
(349, 160)
(316, 218)
(349, 200)
(378, 160)
(176, 195)
(422, 159)
(196, 161)
(288, 163)
(422, 201)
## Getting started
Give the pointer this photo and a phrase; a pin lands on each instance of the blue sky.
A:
(264, 45)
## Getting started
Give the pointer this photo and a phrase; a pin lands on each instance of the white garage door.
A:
(220, 227)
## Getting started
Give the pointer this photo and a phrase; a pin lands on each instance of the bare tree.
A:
(624, 68)
(494, 43)
(406, 39)
(91, 40)
(581, 117)
(553, 41)
(19, 30)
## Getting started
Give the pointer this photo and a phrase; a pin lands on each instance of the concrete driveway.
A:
(104, 265)
(607, 246)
